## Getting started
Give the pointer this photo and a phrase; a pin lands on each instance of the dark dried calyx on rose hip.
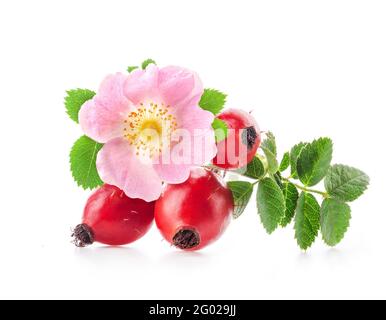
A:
(186, 239)
(83, 235)
(249, 136)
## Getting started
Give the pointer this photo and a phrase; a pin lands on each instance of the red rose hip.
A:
(242, 142)
(195, 213)
(112, 218)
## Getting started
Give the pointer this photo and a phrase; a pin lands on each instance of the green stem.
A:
(305, 189)
(300, 187)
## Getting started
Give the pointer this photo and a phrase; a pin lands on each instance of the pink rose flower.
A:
(140, 117)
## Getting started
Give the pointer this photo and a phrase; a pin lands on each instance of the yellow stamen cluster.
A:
(149, 128)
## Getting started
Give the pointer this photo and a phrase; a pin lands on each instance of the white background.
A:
(306, 68)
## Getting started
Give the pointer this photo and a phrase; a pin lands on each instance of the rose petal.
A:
(194, 149)
(102, 118)
(119, 165)
(142, 85)
(193, 117)
(179, 87)
(172, 173)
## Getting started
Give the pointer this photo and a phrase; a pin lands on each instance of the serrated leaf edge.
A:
(90, 187)
(363, 174)
(310, 145)
(239, 209)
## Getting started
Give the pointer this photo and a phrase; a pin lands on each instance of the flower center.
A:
(149, 128)
(151, 124)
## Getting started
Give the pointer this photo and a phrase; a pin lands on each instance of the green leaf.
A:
(241, 191)
(346, 183)
(75, 100)
(146, 63)
(270, 143)
(335, 220)
(307, 220)
(269, 148)
(314, 161)
(294, 155)
(270, 204)
(83, 163)
(273, 165)
(131, 68)
(220, 129)
(277, 177)
(291, 196)
(285, 162)
(255, 169)
(212, 100)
